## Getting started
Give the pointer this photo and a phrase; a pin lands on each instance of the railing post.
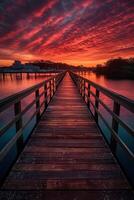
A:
(115, 125)
(83, 89)
(56, 82)
(37, 105)
(79, 83)
(45, 95)
(50, 89)
(88, 94)
(96, 105)
(17, 110)
(54, 85)
(80, 86)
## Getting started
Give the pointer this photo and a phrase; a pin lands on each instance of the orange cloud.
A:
(77, 31)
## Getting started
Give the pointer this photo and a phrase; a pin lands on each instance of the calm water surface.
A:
(12, 83)
(123, 87)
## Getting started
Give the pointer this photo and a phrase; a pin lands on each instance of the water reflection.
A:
(11, 83)
(123, 87)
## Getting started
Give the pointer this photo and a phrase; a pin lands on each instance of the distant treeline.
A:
(49, 65)
(118, 68)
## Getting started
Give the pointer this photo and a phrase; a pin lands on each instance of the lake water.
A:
(123, 87)
(12, 83)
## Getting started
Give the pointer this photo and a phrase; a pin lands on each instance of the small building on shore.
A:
(18, 66)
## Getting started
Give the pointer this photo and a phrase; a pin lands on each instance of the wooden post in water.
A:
(17, 110)
(3, 76)
(37, 105)
(11, 76)
(96, 105)
(28, 75)
(115, 126)
(21, 76)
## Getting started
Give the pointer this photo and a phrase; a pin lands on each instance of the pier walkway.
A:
(66, 156)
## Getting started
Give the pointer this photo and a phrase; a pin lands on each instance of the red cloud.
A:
(77, 31)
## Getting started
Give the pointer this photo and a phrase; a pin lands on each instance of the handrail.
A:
(124, 101)
(6, 102)
(49, 87)
(84, 85)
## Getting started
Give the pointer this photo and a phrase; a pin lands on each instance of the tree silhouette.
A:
(118, 68)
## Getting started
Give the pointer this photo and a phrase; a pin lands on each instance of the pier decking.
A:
(66, 156)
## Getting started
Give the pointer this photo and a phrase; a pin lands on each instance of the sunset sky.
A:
(71, 31)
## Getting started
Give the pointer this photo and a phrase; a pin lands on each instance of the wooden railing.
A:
(84, 85)
(49, 87)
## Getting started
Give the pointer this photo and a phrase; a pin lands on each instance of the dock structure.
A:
(66, 156)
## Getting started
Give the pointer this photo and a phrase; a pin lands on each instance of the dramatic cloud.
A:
(73, 31)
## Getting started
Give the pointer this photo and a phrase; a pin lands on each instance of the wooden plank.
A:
(65, 195)
(67, 152)
(71, 184)
(65, 175)
(74, 156)
(68, 142)
(70, 135)
(66, 167)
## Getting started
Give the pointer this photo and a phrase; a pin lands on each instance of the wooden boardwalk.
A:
(66, 156)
